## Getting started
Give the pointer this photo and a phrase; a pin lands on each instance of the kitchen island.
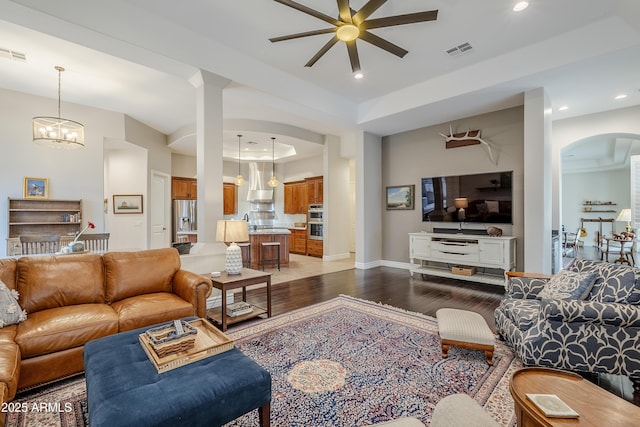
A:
(257, 237)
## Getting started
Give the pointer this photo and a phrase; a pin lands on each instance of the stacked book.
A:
(239, 308)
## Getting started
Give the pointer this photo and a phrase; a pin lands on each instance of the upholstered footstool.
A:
(124, 388)
(467, 329)
(458, 410)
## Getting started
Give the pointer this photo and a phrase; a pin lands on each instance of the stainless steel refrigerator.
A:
(185, 217)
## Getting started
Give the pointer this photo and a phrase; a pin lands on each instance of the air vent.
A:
(12, 54)
(459, 50)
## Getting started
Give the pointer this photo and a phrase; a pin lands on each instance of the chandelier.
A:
(56, 132)
(239, 181)
(273, 182)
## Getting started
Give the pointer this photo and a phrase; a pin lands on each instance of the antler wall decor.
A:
(470, 137)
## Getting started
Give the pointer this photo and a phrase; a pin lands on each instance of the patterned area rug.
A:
(344, 362)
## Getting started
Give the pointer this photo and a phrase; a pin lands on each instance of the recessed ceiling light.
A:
(520, 6)
(563, 108)
(358, 75)
(621, 96)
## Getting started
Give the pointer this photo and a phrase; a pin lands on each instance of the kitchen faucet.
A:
(246, 217)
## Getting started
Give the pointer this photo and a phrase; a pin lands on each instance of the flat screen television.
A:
(479, 198)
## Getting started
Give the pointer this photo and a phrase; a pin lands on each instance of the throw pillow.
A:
(568, 285)
(10, 311)
(493, 206)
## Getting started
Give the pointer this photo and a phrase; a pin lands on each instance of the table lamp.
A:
(461, 203)
(625, 215)
(231, 231)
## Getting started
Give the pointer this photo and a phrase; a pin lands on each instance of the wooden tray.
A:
(209, 341)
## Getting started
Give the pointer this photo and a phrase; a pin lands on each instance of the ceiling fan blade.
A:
(353, 56)
(344, 11)
(366, 10)
(309, 11)
(305, 34)
(322, 51)
(390, 21)
(383, 44)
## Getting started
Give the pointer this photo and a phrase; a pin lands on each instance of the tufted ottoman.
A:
(464, 329)
(124, 388)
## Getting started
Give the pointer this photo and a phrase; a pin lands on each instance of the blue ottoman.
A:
(124, 388)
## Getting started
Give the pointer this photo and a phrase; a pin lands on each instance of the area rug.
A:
(344, 362)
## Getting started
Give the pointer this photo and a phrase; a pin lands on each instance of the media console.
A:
(435, 254)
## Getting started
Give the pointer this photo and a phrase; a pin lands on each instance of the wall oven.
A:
(314, 222)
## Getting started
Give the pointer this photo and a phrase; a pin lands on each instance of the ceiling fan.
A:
(352, 25)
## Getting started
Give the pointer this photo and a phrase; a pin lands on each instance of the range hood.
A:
(258, 190)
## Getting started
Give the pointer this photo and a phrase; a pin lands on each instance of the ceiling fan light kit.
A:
(351, 26)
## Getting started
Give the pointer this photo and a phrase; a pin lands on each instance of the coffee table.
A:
(227, 282)
(124, 387)
(596, 406)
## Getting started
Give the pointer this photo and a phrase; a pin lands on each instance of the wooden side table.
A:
(596, 406)
(228, 282)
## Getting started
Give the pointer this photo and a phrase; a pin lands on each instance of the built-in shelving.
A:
(41, 216)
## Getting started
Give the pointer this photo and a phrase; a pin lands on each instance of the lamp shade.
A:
(461, 202)
(625, 215)
(232, 231)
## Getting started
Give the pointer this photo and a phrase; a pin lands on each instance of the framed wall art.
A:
(36, 188)
(400, 197)
(127, 203)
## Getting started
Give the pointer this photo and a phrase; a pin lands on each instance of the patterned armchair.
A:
(595, 328)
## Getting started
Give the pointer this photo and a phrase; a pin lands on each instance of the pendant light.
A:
(239, 181)
(273, 182)
(56, 132)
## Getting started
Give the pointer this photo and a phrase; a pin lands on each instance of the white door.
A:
(159, 208)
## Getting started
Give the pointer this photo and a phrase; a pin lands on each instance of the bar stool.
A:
(265, 246)
(246, 261)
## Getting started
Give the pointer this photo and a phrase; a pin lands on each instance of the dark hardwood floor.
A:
(386, 285)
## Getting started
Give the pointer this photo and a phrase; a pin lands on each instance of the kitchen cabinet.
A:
(256, 239)
(184, 188)
(298, 241)
(295, 197)
(315, 188)
(314, 248)
(229, 196)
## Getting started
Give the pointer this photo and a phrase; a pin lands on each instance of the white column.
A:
(538, 200)
(336, 201)
(368, 200)
(209, 151)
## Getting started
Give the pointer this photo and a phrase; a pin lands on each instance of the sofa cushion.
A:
(149, 309)
(10, 311)
(61, 328)
(137, 273)
(59, 281)
(616, 283)
(8, 272)
(568, 285)
(523, 313)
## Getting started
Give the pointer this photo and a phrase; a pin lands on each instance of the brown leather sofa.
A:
(72, 299)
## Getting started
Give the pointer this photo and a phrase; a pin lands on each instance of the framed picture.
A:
(400, 197)
(127, 203)
(36, 188)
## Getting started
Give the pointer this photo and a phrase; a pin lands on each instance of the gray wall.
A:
(409, 156)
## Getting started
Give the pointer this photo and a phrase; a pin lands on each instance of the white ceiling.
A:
(137, 56)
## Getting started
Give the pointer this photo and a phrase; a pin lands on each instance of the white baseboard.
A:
(368, 265)
(396, 264)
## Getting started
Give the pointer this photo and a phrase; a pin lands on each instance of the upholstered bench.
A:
(124, 388)
(467, 329)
